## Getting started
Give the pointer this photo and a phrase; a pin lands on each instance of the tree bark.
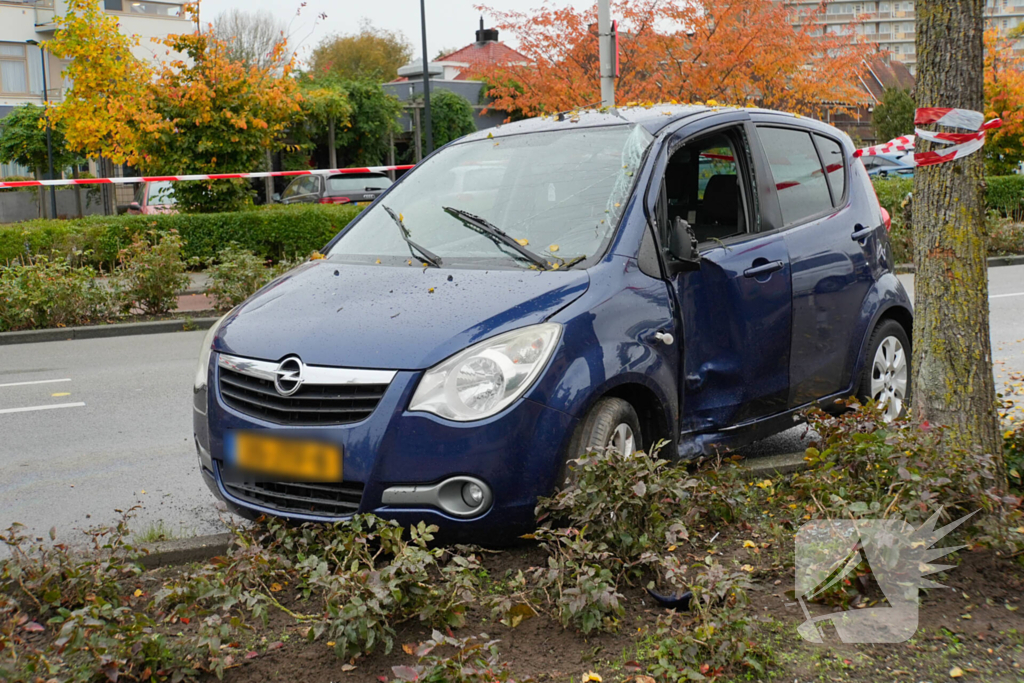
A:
(333, 150)
(952, 383)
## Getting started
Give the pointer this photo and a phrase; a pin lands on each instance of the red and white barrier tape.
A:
(213, 176)
(962, 143)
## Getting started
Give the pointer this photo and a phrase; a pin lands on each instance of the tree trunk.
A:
(333, 151)
(952, 383)
(268, 182)
(42, 194)
(78, 193)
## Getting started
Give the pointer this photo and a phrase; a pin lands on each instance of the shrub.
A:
(277, 233)
(631, 505)
(716, 638)
(52, 293)
(1005, 194)
(152, 273)
(892, 191)
(473, 660)
(236, 274)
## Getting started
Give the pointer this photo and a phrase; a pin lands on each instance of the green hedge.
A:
(1004, 194)
(277, 232)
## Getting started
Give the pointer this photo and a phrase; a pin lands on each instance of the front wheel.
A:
(611, 427)
(886, 375)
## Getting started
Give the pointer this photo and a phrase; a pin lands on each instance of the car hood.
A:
(390, 318)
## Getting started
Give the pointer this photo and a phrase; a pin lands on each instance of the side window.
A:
(799, 180)
(704, 185)
(293, 189)
(835, 165)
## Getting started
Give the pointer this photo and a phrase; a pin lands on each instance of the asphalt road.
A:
(91, 426)
(104, 424)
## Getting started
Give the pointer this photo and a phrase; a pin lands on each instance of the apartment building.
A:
(891, 24)
(21, 64)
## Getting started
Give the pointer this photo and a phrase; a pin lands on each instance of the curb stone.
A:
(993, 262)
(102, 331)
(184, 551)
(775, 464)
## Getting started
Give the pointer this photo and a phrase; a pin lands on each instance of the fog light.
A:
(472, 494)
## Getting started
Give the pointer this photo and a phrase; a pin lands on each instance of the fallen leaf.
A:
(252, 654)
(275, 588)
(749, 544)
(592, 676)
(956, 672)
(138, 592)
(33, 627)
(275, 646)
(405, 673)
(553, 247)
(409, 648)
(640, 489)
(523, 242)
(747, 568)
(143, 490)
(348, 667)
(330, 643)
(185, 620)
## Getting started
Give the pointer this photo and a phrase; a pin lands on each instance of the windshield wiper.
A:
(427, 255)
(495, 233)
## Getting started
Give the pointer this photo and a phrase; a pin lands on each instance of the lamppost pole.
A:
(426, 83)
(606, 58)
(49, 139)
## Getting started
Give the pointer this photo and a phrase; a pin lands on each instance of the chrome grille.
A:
(328, 396)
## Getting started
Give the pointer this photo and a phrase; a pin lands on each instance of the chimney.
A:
(485, 35)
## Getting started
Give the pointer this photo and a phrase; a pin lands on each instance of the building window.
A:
(20, 69)
(160, 9)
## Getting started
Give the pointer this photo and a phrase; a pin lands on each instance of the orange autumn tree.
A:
(198, 112)
(1004, 99)
(735, 51)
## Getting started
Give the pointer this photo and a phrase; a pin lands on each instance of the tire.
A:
(886, 374)
(603, 429)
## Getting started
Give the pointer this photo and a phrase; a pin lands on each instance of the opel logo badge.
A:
(288, 376)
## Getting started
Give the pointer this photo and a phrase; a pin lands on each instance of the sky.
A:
(450, 23)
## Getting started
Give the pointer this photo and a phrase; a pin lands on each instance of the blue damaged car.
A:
(600, 281)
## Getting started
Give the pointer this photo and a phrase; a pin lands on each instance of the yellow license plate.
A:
(287, 458)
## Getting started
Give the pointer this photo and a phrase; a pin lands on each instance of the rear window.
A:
(357, 183)
(160, 193)
(799, 180)
(835, 166)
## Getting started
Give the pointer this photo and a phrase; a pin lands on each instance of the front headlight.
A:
(204, 357)
(487, 377)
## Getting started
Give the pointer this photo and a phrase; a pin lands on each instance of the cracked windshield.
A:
(558, 195)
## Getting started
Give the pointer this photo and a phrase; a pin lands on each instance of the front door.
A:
(736, 308)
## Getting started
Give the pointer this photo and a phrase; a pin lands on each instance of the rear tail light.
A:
(887, 219)
(334, 200)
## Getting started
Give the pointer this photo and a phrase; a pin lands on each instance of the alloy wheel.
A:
(622, 441)
(889, 378)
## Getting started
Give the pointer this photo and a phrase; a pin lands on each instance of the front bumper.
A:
(516, 453)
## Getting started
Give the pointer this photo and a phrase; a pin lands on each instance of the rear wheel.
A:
(886, 375)
(610, 428)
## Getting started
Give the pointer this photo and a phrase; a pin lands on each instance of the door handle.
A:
(860, 232)
(763, 269)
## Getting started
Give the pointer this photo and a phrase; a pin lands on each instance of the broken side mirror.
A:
(682, 247)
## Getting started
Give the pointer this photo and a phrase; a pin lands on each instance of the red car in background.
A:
(153, 198)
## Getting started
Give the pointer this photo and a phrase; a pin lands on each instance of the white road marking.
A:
(41, 381)
(994, 296)
(33, 408)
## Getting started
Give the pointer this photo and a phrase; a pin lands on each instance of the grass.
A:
(158, 532)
